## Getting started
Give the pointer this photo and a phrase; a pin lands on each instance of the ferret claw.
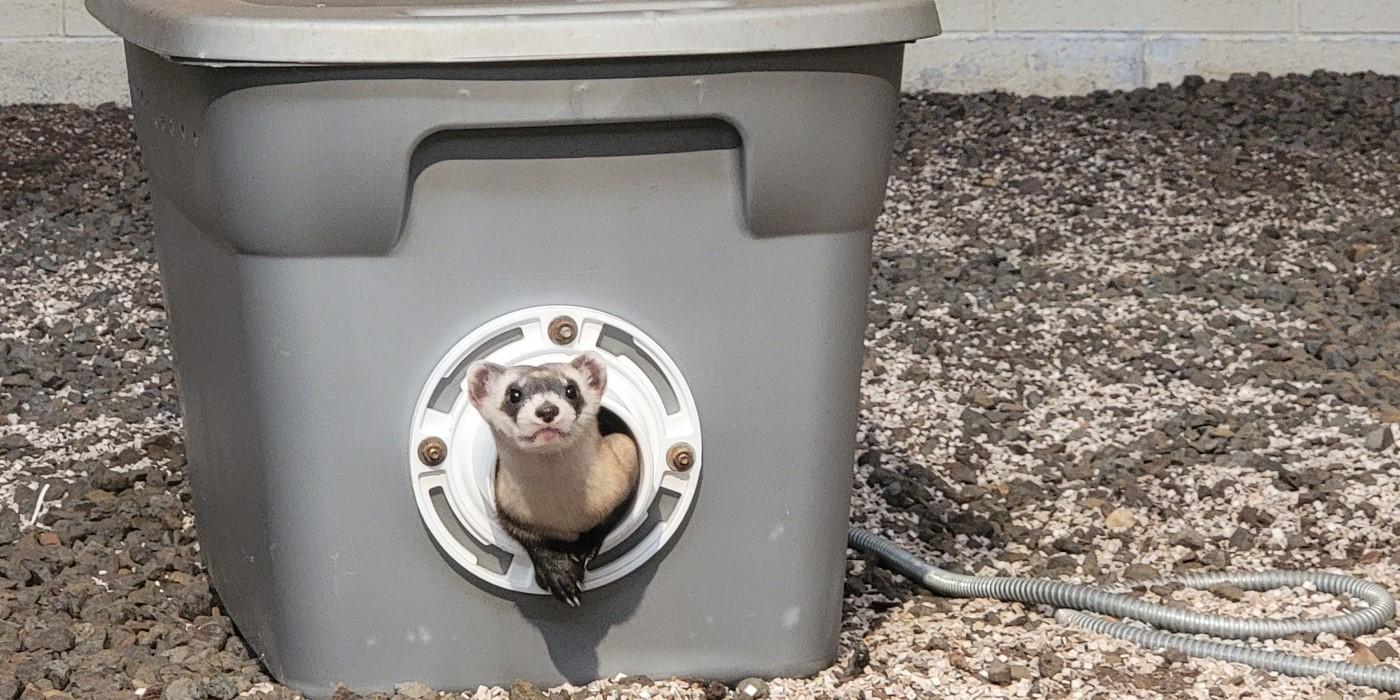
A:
(571, 592)
(559, 573)
(568, 597)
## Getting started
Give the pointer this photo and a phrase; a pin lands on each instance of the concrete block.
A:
(1153, 16)
(77, 21)
(965, 15)
(1043, 65)
(30, 18)
(1169, 59)
(1379, 16)
(82, 71)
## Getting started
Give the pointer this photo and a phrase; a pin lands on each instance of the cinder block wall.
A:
(1057, 47)
(52, 51)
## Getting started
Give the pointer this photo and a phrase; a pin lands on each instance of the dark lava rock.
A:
(1380, 439)
(1256, 517)
(182, 689)
(525, 690)
(1140, 572)
(49, 637)
(9, 525)
(343, 693)
(999, 673)
(1188, 538)
(107, 479)
(1228, 591)
(221, 688)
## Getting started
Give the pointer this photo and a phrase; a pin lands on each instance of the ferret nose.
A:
(547, 412)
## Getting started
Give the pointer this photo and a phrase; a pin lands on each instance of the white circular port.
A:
(645, 393)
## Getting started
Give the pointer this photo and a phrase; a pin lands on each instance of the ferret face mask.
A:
(539, 409)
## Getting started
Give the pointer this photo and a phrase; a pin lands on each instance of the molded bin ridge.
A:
(277, 162)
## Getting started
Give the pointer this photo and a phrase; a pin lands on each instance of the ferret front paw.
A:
(560, 574)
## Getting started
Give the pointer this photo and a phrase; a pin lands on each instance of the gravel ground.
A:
(1112, 337)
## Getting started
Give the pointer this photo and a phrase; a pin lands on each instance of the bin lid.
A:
(438, 31)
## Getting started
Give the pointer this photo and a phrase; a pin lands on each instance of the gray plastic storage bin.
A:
(353, 200)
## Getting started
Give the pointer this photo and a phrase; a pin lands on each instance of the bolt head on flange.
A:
(681, 456)
(563, 330)
(432, 451)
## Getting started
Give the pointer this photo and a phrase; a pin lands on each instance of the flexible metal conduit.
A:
(1075, 602)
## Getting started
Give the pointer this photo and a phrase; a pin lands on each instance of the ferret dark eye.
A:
(514, 396)
(571, 391)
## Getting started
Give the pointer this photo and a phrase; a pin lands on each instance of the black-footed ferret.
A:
(561, 486)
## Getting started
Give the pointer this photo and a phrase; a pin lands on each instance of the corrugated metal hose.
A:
(1076, 604)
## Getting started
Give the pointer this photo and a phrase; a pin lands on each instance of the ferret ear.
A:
(480, 376)
(593, 368)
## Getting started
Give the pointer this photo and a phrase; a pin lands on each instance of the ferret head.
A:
(548, 408)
